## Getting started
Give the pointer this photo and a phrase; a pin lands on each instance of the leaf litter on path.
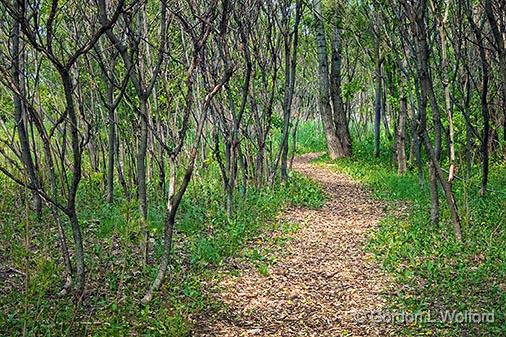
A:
(322, 280)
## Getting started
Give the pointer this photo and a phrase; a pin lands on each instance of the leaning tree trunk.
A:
(426, 89)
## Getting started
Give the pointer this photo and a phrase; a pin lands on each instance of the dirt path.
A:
(321, 282)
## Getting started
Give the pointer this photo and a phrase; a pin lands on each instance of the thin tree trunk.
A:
(111, 145)
(469, 145)
(76, 177)
(377, 100)
(426, 89)
(290, 67)
(20, 115)
(141, 176)
(484, 105)
(448, 105)
(501, 49)
(401, 135)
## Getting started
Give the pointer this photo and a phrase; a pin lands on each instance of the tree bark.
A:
(334, 146)
(340, 119)
(484, 104)
(419, 31)
(76, 178)
(290, 68)
(377, 99)
(20, 115)
(401, 134)
(141, 175)
(501, 49)
(111, 144)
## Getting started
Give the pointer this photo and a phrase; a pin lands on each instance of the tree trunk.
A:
(448, 105)
(20, 116)
(401, 135)
(484, 104)
(76, 178)
(141, 176)
(422, 54)
(168, 232)
(111, 145)
(501, 49)
(377, 100)
(334, 146)
(340, 119)
(290, 67)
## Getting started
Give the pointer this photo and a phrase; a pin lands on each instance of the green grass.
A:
(205, 237)
(434, 270)
(310, 138)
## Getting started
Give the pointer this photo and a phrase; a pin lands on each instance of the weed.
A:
(436, 271)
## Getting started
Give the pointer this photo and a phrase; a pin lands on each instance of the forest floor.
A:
(322, 283)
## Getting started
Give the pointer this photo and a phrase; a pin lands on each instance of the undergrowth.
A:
(205, 237)
(437, 273)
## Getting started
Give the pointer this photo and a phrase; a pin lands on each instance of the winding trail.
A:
(321, 282)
